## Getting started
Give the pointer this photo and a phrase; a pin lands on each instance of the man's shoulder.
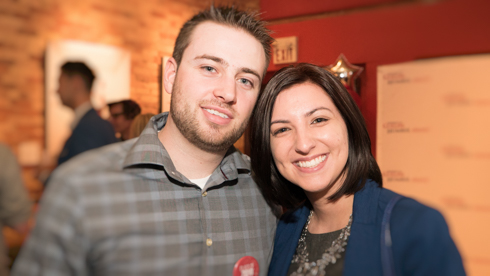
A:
(92, 120)
(104, 159)
(241, 160)
(5, 152)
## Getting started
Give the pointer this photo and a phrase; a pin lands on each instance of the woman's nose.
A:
(304, 142)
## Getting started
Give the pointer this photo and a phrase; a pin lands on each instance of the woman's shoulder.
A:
(297, 215)
(420, 232)
(409, 209)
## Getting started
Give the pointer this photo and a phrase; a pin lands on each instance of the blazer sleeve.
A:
(422, 244)
(288, 233)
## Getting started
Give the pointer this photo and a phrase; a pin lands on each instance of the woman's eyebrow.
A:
(279, 122)
(315, 110)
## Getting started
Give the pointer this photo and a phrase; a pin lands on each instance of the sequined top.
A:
(316, 245)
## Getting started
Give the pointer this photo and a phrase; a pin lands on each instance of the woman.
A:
(311, 154)
(139, 123)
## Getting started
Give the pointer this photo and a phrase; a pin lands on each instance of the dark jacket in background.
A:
(91, 132)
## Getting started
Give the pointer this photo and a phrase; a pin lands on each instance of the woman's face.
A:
(309, 138)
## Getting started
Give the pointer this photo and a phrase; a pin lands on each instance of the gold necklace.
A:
(331, 254)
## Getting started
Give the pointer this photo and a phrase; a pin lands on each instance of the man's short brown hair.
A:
(227, 16)
(72, 68)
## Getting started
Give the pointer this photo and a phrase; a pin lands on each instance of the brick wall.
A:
(146, 28)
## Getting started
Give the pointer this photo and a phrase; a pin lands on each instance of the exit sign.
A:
(285, 50)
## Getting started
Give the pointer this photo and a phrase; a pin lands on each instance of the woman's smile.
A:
(311, 163)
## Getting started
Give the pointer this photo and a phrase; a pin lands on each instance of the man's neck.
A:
(188, 159)
(125, 134)
(80, 111)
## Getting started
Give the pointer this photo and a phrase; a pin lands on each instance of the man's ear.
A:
(78, 83)
(170, 74)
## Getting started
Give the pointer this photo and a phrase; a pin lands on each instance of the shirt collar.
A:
(148, 150)
(80, 111)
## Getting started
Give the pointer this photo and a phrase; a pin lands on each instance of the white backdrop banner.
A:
(433, 144)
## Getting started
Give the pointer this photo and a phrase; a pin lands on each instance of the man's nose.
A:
(226, 91)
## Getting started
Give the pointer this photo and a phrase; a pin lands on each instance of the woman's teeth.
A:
(311, 163)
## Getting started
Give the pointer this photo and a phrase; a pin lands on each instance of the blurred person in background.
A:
(89, 130)
(15, 206)
(139, 123)
(122, 115)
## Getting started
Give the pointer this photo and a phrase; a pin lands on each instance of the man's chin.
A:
(214, 145)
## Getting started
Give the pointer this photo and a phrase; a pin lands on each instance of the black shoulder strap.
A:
(386, 252)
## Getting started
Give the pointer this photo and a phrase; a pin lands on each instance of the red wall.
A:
(275, 9)
(383, 34)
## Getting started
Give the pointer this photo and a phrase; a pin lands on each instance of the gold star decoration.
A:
(345, 71)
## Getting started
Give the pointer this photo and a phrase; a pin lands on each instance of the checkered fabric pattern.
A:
(124, 210)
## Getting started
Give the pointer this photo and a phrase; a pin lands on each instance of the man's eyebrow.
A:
(213, 58)
(251, 71)
(224, 63)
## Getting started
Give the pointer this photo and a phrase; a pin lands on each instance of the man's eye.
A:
(246, 82)
(209, 68)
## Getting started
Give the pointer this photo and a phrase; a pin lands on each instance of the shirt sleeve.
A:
(56, 244)
(15, 206)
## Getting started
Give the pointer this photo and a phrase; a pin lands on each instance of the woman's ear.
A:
(169, 74)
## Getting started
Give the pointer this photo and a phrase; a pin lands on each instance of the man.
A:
(179, 200)
(89, 131)
(122, 115)
(15, 206)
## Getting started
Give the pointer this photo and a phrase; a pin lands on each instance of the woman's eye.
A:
(279, 131)
(319, 120)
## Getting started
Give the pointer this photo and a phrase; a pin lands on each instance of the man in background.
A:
(122, 115)
(89, 131)
(15, 206)
(180, 199)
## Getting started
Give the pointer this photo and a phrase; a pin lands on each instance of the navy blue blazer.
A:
(421, 241)
(90, 133)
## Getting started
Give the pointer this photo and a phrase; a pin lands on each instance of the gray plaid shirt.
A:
(124, 210)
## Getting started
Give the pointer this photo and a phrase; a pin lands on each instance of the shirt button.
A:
(205, 194)
(209, 242)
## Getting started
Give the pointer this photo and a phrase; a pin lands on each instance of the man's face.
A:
(118, 120)
(65, 89)
(216, 86)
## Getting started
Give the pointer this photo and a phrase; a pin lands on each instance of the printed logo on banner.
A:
(395, 77)
(395, 127)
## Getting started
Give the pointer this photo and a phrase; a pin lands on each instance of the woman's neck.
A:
(330, 216)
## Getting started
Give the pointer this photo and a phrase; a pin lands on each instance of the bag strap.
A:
(386, 252)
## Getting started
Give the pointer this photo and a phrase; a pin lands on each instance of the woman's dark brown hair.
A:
(360, 164)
